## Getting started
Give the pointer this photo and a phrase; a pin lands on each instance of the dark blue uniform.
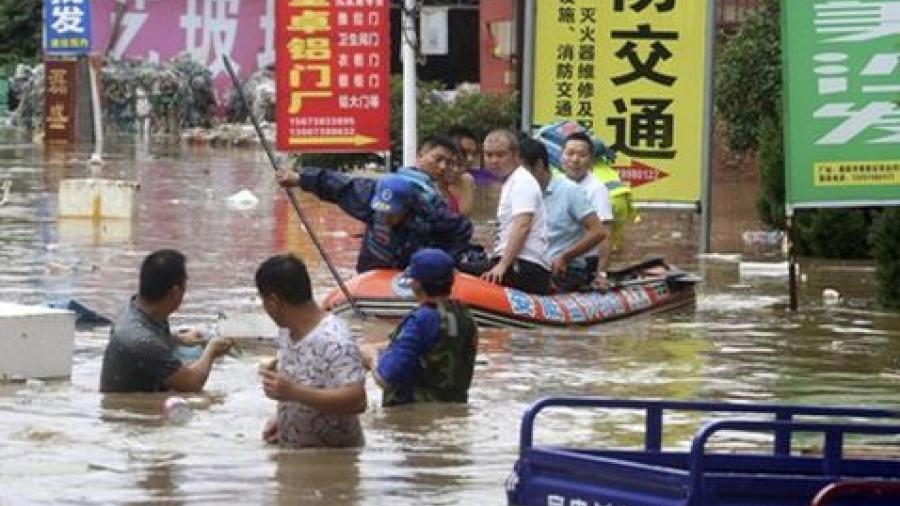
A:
(429, 223)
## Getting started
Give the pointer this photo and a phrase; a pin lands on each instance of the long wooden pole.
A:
(290, 194)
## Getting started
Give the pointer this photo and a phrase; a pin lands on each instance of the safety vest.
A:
(445, 371)
(610, 178)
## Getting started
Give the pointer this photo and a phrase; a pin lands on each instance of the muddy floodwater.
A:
(62, 442)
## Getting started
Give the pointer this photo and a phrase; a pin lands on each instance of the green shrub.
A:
(20, 33)
(832, 233)
(885, 241)
(748, 78)
(770, 199)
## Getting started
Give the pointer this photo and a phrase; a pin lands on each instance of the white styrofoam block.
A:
(246, 325)
(94, 232)
(36, 341)
(97, 198)
(763, 269)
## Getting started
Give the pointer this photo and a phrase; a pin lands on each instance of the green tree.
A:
(885, 241)
(20, 32)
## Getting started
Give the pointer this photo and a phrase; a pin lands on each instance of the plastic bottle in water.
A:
(177, 411)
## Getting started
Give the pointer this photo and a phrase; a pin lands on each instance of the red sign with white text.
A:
(332, 61)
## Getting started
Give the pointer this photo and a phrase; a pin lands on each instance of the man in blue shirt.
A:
(431, 355)
(399, 219)
(573, 228)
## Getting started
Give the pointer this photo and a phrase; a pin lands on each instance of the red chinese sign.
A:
(59, 100)
(333, 75)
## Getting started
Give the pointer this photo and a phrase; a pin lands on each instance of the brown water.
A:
(62, 442)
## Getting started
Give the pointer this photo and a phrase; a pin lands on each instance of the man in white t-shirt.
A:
(319, 378)
(520, 251)
(578, 162)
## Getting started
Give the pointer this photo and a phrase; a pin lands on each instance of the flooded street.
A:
(63, 442)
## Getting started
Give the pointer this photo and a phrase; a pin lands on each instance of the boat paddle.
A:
(290, 194)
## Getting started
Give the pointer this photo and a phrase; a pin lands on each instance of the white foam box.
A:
(36, 341)
(97, 198)
(247, 326)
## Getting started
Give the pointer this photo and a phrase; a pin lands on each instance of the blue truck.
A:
(781, 473)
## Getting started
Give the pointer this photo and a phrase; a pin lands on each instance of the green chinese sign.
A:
(842, 102)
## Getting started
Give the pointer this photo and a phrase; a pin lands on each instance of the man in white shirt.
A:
(520, 251)
(578, 162)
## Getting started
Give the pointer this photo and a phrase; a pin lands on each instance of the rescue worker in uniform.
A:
(431, 354)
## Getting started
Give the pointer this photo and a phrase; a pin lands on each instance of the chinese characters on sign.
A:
(332, 68)
(634, 72)
(842, 120)
(67, 27)
(159, 30)
(59, 101)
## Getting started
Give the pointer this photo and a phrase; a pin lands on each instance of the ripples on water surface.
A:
(63, 442)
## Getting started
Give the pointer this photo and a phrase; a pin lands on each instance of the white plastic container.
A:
(97, 198)
(36, 341)
(246, 326)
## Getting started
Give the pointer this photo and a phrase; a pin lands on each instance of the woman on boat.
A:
(460, 183)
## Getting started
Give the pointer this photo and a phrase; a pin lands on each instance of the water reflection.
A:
(71, 444)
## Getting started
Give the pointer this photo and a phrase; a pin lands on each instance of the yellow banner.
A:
(872, 173)
(633, 71)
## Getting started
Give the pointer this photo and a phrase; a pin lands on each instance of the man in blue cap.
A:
(399, 219)
(431, 355)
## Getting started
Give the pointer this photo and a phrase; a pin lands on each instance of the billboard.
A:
(842, 103)
(333, 75)
(159, 30)
(67, 27)
(635, 72)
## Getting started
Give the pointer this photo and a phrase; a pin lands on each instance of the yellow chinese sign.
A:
(633, 72)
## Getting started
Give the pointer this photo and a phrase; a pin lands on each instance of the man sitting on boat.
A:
(573, 228)
(141, 353)
(399, 219)
(520, 251)
(578, 162)
(431, 355)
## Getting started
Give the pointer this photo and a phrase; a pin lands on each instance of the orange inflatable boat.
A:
(646, 287)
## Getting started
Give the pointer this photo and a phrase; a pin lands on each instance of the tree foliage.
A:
(748, 78)
(885, 241)
(20, 32)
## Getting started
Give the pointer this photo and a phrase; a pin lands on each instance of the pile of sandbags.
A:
(173, 96)
(229, 134)
(30, 93)
(166, 97)
(259, 90)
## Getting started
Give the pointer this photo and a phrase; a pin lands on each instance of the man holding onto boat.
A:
(140, 356)
(399, 219)
(574, 230)
(431, 355)
(578, 163)
(520, 250)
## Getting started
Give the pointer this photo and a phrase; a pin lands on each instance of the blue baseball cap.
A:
(430, 266)
(393, 194)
